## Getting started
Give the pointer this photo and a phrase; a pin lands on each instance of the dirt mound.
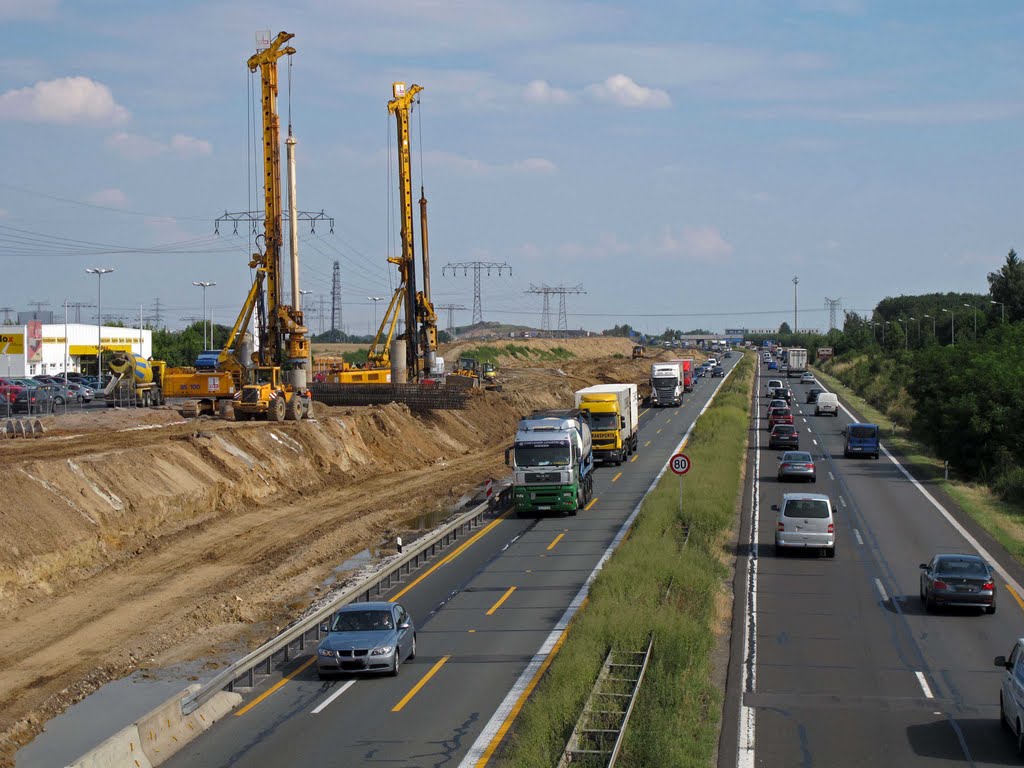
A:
(148, 540)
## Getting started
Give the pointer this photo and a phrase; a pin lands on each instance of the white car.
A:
(1011, 692)
(807, 378)
(771, 386)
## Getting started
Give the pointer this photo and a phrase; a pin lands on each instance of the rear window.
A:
(783, 429)
(817, 508)
(781, 412)
(863, 433)
(962, 567)
(797, 456)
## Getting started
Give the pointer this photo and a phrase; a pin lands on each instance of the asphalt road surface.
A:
(841, 665)
(480, 620)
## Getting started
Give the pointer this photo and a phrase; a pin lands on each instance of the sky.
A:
(680, 161)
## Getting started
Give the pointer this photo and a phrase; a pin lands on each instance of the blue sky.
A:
(683, 160)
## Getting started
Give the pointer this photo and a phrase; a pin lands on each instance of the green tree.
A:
(785, 330)
(1007, 286)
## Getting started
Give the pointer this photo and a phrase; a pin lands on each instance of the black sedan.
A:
(812, 394)
(718, 372)
(784, 436)
(961, 580)
(783, 393)
(33, 400)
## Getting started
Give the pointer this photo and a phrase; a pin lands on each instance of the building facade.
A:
(43, 348)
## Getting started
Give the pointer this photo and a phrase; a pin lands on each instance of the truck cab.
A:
(552, 462)
(614, 410)
(666, 384)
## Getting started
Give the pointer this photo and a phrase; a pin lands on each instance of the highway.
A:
(480, 618)
(835, 662)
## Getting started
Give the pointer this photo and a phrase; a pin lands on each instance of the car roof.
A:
(380, 605)
(796, 453)
(862, 424)
(807, 497)
(783, 427)
(962, 557)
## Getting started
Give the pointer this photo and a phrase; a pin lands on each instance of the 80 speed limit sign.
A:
(680, 463)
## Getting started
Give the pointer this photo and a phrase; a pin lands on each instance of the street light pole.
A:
(971, 306)
(1002, 310)
(952, 327)
(796, 281)
(375, 299)
(204, 285)
(99, 272)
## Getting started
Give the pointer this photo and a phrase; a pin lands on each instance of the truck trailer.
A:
(552, 462)
(615, 415)
(796, 358)
(689, 365)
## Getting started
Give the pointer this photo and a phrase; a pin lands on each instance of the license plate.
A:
(544, 506)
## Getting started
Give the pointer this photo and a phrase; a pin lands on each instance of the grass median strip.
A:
(655, 583)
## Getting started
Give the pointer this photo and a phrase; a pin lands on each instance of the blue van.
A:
(861, 440)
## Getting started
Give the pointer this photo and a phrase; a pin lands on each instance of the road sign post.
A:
(680, 464)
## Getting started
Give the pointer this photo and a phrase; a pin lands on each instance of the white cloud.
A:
(64, 100)
(111, 197)
(623, 91)
(142, 147)
(11, 10)
(475, 167)
(695, 243)
(542, 92)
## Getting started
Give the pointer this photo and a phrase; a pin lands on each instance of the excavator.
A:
(420, 318)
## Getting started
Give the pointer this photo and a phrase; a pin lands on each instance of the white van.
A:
(805, 522)
(771, 386)
(827, 402)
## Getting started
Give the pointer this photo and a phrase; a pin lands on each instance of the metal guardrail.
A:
(282, 648)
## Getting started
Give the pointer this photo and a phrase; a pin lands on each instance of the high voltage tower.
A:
(39, 305)
(476, 266)
(561, 291)
(78, 308)
(157, 314)
(452, 308)
(833, 306)
(336, 297)
(7, 315)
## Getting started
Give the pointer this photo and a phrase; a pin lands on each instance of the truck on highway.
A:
(796, 358)
(134, 381)
(666, 384)
(552, 462)
(615, 419)
(689, 372)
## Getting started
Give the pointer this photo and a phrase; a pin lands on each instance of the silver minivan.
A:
(805, 521)
(1011, 692)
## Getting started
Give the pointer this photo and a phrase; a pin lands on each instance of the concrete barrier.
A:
(156, 736)
(122, 750)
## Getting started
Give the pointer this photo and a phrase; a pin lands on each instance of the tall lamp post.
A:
(375, 299)
(204, 285)
(796, 282)
(99, 272)
(1002, 310)
(952, 327)
(933, 324)
(971, 306)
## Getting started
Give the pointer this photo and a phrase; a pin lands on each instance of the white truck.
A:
(552, 462)
(796, 358)
(666, 384)
(615, 419)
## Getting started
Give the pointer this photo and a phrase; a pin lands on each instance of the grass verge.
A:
(490, 353)
(1003, 520)
(655, 583)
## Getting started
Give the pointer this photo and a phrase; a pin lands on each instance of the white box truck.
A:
(797, 361)
(615, 419)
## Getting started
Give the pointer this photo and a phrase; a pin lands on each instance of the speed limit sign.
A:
(680, 463)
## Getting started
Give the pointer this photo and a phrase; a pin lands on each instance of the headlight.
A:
(325, 652)
(384, 650)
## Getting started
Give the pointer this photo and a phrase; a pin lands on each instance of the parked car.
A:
(797, 465)
(784, 436)
(807, 378)
(57, 394)
(1011, 691)
(812, 394)
(805, 521)
(366, 637)
(80, 393)
(33, 400)
(779, 416)
(960, 580)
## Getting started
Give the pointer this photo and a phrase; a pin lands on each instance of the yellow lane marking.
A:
(658, 432)
(508, 592)
(1015, 596)
(647, 443)
(643, 412)
(558, 538)
(593, 501)
(276, 686)
(670, 419)
(489, 752)
(423, 681)
(476, 537)
(633, 459)
(616, 477)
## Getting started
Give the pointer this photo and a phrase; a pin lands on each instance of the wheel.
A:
(158, 397)
(58, 400)
(1002, 714)
(830, 552)
(275, 409)
(309, 408)
(81, 400)
(929, 604)
(990, 610)
(412, 653)
(145, 399)
(321, 675)
(876, 457)
(814, 479)
(227, 410)
(397, 665)
(1020, 739)
(920, 591)
(293, 408)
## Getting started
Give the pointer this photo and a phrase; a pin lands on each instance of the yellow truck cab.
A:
(614, 413)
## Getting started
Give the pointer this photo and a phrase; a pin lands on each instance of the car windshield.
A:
(952, 567)
(542, 454)
(863, 432)
(806, 508)
(605, 421)
(665, 381)
(797, 457)
(362, 621)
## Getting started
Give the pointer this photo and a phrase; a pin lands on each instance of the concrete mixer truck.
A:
(134, 381)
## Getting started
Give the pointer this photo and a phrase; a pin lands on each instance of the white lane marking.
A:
(856, 535)
(814, 441)
(946, 514)
(504, 712)
(324, 704)
(805, 421)
(881, 590)
(831, 476)
(842, 501)
(924, 685)
(745, 757)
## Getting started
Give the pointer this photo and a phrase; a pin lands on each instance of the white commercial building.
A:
(37, 348)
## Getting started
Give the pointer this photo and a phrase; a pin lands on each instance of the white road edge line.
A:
(924, 685)
(842, 501)
(856, 534)
(881, 590)
(490, 730)
(747, 725)
(326, 702)
(946, 514)
(814, 441)
(831, 476)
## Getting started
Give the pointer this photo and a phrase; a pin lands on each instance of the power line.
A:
(477, 267)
